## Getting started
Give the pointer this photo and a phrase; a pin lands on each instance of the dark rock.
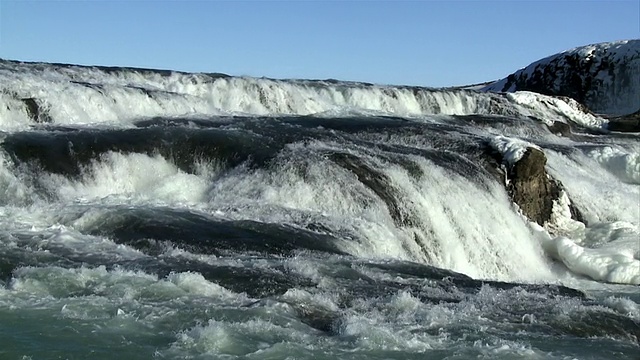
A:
(35, 112)
(318, 318)
(531, 188)
(626, 123)
(379, 183)
(529, 185)
(560, 128)
(491, 160)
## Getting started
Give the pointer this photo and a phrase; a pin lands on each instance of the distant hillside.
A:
(605, 77)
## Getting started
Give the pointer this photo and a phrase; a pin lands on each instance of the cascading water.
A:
(155, 214)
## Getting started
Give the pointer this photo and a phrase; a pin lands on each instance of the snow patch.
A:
(512, 149)
(551, 107)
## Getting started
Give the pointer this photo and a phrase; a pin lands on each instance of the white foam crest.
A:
(60, 282)
(512, 149)
(13, 191)
(299, 297)
(120, 284)
(620, 162)
(599, 194)
(87, 97)
(561, 222)
(76, 95)
(58, 238)
(13, 115)
(611, 263)
(607, 249)
(371, 333)
(30, 230)
(403, 322)
(550, 109)
(133, 177)
(459, 225)
(194, 283)
(470, 229)
(229, 339)
(624, 306)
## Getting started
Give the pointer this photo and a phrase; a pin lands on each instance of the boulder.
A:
(531, 188)
(560, 128)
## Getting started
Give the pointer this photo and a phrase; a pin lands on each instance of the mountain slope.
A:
(605, 77)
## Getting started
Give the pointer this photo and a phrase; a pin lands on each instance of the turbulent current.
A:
(160, 215)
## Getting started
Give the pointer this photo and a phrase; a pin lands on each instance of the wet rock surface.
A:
(531, 188)
(35, 111)
(626, 123)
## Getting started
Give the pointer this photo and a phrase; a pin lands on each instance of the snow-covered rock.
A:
(605, 77)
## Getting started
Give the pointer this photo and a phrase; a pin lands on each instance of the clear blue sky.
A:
(429, 43)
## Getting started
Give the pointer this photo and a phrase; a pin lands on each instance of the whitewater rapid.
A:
(76, 95)
(156, 214)
(471, 230)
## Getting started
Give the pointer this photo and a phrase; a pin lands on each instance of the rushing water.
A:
(335, 235)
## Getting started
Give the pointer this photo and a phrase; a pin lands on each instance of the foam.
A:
(81, 95)
(598, 193)
(12, 190)
(624, 164)
(194, 283)
(561, 221)
(600, 264)
(512, 149)
(459, 225)
(59, 282)
(606, 249)
(132, 178)
(229, 339)
(184, 315)
(623, 306)
(54, 282)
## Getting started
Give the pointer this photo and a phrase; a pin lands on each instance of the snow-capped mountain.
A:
(605, 77)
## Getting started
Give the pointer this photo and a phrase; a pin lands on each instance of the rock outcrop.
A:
(605, 77)
(626, 123)
(532, 189)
